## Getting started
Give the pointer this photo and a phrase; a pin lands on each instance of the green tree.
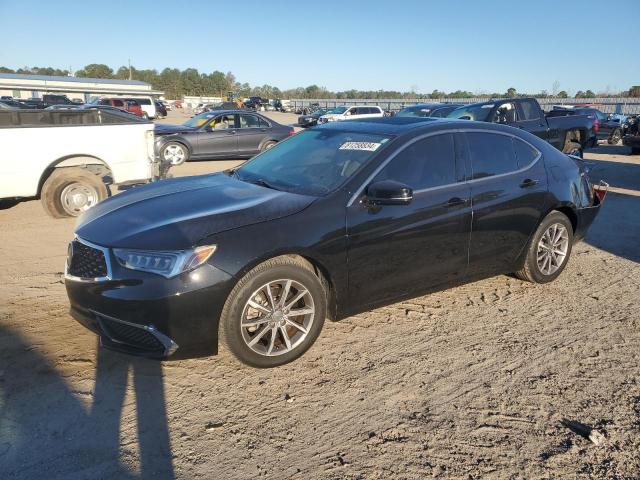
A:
(511, 92)
(634, 91)
(563, 94)
(95, 70)
(589, 94)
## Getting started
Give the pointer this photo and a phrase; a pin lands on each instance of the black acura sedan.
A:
(333, 221)
(218, 134)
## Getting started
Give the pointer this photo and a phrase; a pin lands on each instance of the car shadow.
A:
(47, 429)
(609, 149)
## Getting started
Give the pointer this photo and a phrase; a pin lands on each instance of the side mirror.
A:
(389, 192)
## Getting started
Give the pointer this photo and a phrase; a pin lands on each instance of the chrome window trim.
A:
(105, 252)
(359, 190)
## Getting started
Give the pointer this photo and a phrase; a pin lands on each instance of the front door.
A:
(509, 197)
(398, 249)
(218, 137)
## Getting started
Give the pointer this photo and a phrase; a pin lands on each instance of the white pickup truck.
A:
(68, 158)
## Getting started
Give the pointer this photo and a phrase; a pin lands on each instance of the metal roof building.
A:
(24, 86)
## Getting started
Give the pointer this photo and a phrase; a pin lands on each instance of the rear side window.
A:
(118, 103)
(143, 101)
(427, 163)
(530, 110)
(525, 153)
(249, 121)
(263, 123)
(491, 154)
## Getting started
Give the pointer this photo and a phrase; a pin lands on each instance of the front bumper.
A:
(149, 315)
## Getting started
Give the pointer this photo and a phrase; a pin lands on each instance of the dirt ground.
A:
(471, 382)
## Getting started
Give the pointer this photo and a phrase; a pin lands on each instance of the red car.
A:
(122, 104)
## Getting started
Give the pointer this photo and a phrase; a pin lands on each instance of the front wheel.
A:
(549, 250)
(174, 153)
(274, 314)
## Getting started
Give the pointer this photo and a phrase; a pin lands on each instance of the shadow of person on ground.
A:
(47, 431)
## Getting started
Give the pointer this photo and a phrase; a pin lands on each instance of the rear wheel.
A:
(615, 137)
(70, 191)
(145, 116)
(267, 146)
(549, 249)
(274, 314)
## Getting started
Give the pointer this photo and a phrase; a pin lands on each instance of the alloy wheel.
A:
(174, 154)
(552, 249)
(277, 317)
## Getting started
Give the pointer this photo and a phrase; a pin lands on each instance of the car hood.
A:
(165, 129)
(179, 213)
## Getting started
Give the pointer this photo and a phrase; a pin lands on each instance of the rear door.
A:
(397, 249)
(250, 134)
(218, 137)
(509, 196)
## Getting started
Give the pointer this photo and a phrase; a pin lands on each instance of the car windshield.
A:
(314, 162)
(199, 120)
(415, 111)
(337, 110)
(479, 113)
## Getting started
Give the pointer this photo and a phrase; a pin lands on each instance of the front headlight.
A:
(165, 263)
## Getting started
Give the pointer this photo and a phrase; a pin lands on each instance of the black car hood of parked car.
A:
(180, 213)
(165, 129)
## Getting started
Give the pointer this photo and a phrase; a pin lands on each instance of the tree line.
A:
(177, 83)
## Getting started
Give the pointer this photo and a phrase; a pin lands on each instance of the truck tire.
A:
(635, 151)
(70, 191)
(572, 144)
(615, 137)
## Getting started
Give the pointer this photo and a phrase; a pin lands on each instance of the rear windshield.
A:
(415, 111)
(314, 162)
(479, 113)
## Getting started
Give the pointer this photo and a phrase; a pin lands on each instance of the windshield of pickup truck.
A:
(314, 162)
(479, 113)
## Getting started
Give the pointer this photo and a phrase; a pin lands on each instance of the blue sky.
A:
(480, 46)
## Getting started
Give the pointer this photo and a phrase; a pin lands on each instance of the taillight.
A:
(292, 132)
(601, 190)
(596, 126)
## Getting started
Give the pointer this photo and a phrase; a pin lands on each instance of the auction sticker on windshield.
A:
(366, 146)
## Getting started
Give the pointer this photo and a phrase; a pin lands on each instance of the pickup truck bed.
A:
(69, 157)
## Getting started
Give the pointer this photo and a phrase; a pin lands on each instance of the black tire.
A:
(573, 148)
(177, 159)
(267, 145)
(55, 197)
(145, 116)
(615, 137)
(530, 270)
(635, 151)
(272, 270)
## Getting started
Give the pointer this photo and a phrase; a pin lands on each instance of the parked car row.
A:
(218, 134)
(570, 133)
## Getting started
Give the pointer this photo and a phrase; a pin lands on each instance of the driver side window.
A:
(427, 163)
(505, 113)
(222, 122)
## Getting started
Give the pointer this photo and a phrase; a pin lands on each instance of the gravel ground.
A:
(466, 383)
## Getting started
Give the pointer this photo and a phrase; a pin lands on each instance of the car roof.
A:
(401, 125)
(433, 105)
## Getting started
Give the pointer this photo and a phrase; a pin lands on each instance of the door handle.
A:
(528, 183)
(263, 129)
(231, 132)
(455, 201)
